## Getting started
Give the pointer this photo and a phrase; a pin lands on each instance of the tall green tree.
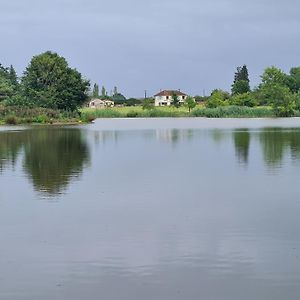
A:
(190, 103)
(12, 75)
(275, 91)
(241, 74)
(115, 92)
(175, 100)
(49, 82)
(294, 79)
(96, 91)
(241, 83)
(8, 84)
(103, 91)
(273, 75)
(6, 88)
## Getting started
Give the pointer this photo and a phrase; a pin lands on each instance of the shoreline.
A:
(41, 116)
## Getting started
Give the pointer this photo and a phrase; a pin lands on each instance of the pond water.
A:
(151, 209)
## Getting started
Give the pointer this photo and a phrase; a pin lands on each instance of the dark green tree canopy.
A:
(294, 80)
(96, 91)
(240, 87)
(241, 81)
(241, 74)
(118, 97)
(8, 82)
(49, 82)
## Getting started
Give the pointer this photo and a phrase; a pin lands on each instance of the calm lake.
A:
(167, 209)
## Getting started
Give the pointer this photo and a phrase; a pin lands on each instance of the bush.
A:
(132, 114)
(43, 119)
(217, 98)
(11, 120)
(233, 112)
(245, 99)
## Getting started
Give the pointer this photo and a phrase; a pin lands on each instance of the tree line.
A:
(49, 82)
(277, 89)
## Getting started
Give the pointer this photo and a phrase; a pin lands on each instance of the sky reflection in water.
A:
(170, 213)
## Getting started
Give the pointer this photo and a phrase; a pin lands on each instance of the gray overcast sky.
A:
(159, 44)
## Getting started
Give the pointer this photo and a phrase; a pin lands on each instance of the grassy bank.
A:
(20, 115)
(89, 114)
(14, 115)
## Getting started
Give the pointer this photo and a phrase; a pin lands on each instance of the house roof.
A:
(170, 93)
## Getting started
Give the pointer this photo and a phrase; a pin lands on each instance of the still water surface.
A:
(151, 209)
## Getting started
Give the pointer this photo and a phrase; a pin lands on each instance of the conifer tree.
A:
(103, 91)
(241, 81)
(12, 75)
(96, 91)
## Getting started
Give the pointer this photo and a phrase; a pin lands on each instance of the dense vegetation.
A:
(50, 91)
(279, 90)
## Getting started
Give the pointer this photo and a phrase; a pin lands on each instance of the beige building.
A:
(99, 103)
(165, 98)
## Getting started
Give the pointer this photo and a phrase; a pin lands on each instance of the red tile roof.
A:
(170, 93)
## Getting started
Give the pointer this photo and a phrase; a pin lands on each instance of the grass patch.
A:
(234, 112)
(172, 112)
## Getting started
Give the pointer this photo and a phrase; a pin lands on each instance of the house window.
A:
(167, 97)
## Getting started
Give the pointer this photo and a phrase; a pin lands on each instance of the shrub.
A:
(11, 120)
(132, 114)
(245, 99)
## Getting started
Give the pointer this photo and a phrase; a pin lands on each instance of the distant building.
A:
(165, 98)
(99, 103)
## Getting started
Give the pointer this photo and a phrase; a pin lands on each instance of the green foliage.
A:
(240, 87)
(132, 114)
(273, 75)
(11, 120)
(49, 82)
(148, 103)
(8, 82)
(25, 114)
(201, 98)
(118, 97)
(281, 99)
(233, 112)
(175, 100)
(245, 99)
(6, 88)
(12, 76)
(241, 81)
(276, 92)
(217, 98)
(294, 80)
(132, 102)
(115, 92)
(96, 91)
(190, 103)
(241, 74)
(103, 91)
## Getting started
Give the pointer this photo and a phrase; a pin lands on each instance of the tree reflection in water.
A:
(276, 142)
(241, 139)
(51, 156)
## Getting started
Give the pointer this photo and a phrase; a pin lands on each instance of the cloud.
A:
(136, 44)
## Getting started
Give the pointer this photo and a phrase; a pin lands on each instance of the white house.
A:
(165, 98)
(99, 103)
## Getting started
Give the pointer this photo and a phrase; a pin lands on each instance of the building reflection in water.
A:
(174, 135)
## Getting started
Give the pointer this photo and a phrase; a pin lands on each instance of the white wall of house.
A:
(167, 100)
